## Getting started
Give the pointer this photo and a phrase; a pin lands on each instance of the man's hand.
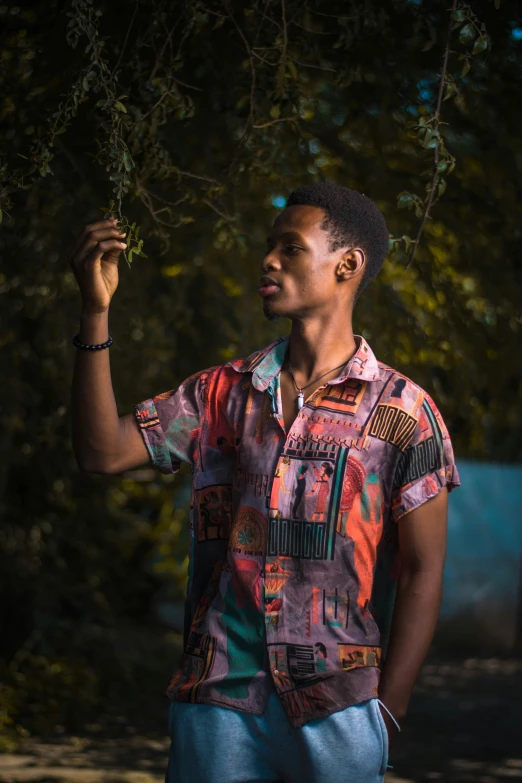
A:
(94, 261)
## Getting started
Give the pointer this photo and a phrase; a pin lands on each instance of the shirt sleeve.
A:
(426, 466)
(171, 424)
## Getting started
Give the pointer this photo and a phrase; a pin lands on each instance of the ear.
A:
(351, 264)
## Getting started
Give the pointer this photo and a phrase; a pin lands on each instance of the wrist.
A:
(94, 327)
(92, 312)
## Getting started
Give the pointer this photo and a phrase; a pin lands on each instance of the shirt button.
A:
(276, 671)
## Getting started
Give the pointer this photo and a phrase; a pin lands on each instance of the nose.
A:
(270, 261)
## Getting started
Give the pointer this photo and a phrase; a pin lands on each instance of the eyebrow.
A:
(286, 235)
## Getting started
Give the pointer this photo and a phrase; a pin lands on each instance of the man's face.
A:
(300, 262)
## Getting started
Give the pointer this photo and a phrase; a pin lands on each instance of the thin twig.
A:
(331, 16)
(126, 38)
(309, 65)
(219, 212)
(252, 68)
(166, 42)
(166, 94)
(184, 84)
(307, 29)
(263, 59)
(145, 198)
(72, 160)
(434, 181)
(285, 32)
(262, 15)
(200, 176)
(273, 122)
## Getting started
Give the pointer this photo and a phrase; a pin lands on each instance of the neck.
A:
(318, 345)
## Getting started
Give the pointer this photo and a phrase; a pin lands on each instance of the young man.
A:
(319, 505)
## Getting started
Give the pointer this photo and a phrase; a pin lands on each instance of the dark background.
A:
(196, 119)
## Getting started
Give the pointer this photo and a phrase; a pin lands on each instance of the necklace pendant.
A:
(300, 400)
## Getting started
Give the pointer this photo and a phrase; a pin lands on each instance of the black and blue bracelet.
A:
(76, 342)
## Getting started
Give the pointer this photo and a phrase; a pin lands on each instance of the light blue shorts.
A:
(213, 744)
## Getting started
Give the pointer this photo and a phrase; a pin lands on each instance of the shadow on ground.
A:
(465, 724)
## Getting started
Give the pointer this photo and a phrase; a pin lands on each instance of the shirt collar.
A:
(266, 363)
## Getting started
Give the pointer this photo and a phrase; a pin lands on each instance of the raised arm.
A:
(103, 442)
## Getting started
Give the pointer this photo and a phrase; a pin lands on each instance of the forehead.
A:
(299, 219)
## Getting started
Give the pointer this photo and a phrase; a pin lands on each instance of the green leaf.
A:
(467, 34)
(451, 89)
(61, 130)
(408, 242)
(404, 200)
(466, 67)
(275, 112)
(292, 69)
(120, 106)
(480, 44)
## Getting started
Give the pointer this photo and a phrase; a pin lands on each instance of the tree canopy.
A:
(193, 121)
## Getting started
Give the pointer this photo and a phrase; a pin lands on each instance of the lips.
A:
(268, 289)
(268, 286)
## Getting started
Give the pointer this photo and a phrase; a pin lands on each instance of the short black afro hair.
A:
(352, 220)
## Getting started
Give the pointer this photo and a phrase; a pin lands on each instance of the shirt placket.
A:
(276, 407)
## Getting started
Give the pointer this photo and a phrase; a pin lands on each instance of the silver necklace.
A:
(299, 389)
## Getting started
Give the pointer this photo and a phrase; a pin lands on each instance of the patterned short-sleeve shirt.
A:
(294, 554)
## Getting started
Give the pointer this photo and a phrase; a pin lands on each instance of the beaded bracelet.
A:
(78, 344)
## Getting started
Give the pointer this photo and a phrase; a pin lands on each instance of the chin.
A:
(273, 313)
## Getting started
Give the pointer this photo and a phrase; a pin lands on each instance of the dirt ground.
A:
(465, 724)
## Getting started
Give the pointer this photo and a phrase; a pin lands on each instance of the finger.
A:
(100, 236)
(110, 250)
(94, 239)
(100, 225)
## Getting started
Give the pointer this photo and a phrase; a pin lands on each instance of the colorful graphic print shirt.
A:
(294, 548)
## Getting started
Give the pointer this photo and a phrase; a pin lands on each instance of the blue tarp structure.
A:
(483, 574)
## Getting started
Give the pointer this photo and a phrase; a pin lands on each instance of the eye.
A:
(292, 249)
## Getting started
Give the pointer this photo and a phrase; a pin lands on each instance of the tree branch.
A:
(435, 179)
